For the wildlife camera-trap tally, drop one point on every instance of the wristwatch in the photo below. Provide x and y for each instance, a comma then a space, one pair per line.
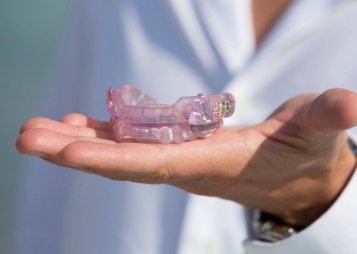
269, 228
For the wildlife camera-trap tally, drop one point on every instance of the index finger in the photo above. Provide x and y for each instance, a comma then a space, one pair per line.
155, 163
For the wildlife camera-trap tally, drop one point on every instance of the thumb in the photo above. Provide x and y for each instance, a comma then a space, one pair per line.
333, 111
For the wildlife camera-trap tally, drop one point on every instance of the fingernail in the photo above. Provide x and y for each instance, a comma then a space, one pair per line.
39, 154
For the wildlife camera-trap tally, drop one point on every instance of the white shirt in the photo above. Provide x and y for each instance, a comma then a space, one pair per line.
176, 48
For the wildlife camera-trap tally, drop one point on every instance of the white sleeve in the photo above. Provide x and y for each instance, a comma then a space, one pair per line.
334, 232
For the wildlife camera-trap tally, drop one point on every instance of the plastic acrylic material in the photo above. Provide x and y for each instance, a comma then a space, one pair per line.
135, 114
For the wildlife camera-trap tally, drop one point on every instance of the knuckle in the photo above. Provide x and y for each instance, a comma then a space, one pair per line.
161, 176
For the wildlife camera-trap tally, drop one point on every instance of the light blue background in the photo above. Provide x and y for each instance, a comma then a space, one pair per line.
30, 32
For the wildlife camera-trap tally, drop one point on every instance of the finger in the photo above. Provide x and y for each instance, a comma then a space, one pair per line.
84, 121
38, 123
333, 111
155, 163
43, 143
49, 143
85, 152
132, 162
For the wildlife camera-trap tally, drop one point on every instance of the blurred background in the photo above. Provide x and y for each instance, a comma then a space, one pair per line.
30, 34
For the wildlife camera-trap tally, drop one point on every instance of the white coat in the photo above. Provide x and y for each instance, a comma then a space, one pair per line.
173, 48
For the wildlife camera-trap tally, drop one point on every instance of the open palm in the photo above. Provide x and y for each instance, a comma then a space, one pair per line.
300, 149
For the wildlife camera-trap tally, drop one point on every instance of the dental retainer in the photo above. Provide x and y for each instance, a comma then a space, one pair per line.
133, 113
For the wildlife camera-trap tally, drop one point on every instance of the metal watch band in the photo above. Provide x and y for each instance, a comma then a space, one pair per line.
271, 229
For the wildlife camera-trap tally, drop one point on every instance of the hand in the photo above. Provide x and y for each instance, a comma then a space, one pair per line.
293, 165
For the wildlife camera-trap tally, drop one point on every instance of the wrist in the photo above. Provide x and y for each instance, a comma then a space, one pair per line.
274, 228
317, 194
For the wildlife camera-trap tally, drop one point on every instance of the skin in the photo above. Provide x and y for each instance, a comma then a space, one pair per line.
265, 14
276, 166
293, 165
